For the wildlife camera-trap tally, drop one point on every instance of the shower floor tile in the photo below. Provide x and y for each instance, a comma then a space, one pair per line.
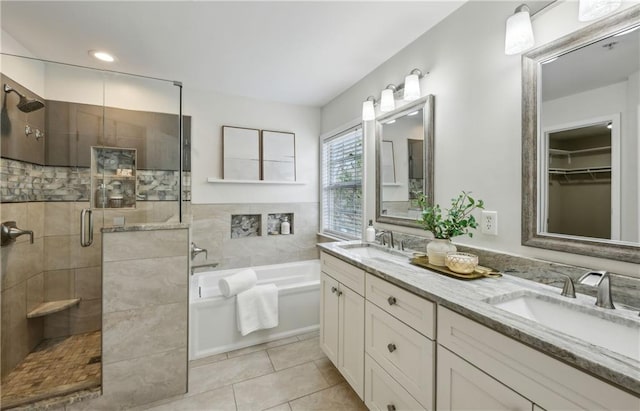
55, 367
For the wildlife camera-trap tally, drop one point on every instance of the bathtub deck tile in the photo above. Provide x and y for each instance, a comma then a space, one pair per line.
261, 347
218, 374
295, 354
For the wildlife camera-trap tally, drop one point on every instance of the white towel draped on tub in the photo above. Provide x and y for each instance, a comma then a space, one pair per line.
257, 308
237, 283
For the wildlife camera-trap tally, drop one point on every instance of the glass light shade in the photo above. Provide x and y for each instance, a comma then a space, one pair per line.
387, 102
519, 33
368, 112
592, 9
411, 87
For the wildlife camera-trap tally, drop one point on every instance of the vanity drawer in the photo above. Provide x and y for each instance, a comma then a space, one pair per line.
405, 306
382, 392
405, 354
345, 273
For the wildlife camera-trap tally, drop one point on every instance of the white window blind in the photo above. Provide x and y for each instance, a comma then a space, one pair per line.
342, 184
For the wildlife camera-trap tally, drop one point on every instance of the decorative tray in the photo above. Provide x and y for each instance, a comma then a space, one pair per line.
480, 271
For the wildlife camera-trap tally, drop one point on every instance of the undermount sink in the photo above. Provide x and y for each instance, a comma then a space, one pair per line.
376, 252
614, 332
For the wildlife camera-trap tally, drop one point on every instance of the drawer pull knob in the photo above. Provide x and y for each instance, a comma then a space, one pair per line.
391, 407
339, 293
334, 289
392, 300
391, 347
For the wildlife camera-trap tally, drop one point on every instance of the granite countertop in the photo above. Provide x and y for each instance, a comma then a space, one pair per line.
144, 227
469, 298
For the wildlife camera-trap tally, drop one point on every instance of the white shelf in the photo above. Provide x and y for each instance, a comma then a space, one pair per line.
559, 152
567, 171
259, 182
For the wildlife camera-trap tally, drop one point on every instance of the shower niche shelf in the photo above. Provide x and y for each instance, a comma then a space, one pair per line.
113, 177
51, 307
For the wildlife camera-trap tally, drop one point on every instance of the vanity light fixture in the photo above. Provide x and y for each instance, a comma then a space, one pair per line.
519, 33
102, 56
592, 9
387, 99
368, 110
412, 85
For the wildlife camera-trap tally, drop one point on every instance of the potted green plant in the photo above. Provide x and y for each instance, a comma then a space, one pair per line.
458, 220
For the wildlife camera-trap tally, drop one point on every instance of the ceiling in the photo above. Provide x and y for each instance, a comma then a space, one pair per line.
608, 61
294, 52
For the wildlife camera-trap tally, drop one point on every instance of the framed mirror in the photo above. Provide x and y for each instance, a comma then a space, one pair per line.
404, 165
241, 158
580, 141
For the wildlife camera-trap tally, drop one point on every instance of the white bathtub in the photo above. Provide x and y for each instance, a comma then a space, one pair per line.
212, 317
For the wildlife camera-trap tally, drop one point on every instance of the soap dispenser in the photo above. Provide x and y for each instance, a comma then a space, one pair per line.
285, 226
371, 232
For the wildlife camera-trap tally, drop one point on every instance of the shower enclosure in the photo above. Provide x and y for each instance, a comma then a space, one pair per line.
81, 149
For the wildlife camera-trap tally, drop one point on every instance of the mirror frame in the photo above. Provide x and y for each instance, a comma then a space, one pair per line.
427, 104
531, 63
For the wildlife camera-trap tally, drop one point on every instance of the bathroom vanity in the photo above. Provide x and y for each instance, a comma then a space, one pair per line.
408, 338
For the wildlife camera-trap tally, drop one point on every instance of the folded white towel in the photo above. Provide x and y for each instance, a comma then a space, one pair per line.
257, 308
237, 283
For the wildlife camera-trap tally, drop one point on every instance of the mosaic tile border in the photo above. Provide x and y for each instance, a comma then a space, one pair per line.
24, 182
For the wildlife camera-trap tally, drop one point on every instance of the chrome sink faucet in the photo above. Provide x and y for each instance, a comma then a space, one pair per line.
568, 290
602, 280
381, 234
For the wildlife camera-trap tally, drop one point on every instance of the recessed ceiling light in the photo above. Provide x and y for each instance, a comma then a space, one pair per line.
414, 113
102, 55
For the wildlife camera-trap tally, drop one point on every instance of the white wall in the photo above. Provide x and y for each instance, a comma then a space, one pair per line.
211, 111
477, 92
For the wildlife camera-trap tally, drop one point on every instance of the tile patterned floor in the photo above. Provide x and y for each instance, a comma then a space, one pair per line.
291, 374
54, 368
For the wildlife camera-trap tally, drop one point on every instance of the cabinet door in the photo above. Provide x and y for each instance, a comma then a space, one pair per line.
329, 317
351, 339
461, 386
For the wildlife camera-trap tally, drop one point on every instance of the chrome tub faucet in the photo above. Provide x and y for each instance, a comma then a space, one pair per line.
195, 250
9, 232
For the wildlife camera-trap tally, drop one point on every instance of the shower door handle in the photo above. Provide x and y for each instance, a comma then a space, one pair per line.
83, 229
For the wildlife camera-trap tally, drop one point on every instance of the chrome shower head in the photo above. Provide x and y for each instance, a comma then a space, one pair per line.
25, 104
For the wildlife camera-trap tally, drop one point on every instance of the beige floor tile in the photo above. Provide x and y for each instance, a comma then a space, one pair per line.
294, 354
259, 347
308, 336
227, 372
221, 399
208, 360
339, 397
277, 388
281, 407
329, 371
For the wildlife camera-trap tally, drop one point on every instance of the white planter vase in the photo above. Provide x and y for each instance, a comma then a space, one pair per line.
437, 250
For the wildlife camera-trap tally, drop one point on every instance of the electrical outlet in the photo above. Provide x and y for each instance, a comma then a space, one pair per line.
489, 222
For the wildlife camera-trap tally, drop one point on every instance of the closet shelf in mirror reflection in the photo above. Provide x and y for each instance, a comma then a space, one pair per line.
573, 175
557, 151
259, 182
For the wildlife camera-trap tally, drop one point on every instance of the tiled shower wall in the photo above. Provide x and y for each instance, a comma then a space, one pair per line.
211, 229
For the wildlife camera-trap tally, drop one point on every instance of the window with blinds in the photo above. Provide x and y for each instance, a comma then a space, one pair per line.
342, 163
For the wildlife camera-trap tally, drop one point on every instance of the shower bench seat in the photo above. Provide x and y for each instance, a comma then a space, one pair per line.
51, 307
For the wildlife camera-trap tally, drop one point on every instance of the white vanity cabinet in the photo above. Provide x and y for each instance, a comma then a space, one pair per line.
399, 346
474, 358
342, 319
